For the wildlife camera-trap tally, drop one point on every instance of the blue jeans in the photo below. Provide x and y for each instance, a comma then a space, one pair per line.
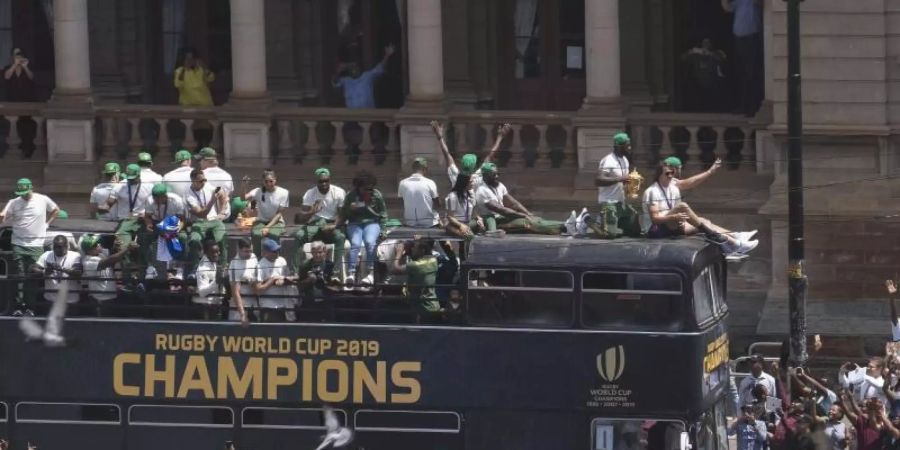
360, 234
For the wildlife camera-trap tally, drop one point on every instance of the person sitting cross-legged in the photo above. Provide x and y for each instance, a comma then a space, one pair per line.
318, 215
500, 210
667, 215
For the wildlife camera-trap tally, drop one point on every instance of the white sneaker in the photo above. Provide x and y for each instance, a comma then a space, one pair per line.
581, 223
54, 340
349, 281
745, 235
571, 228
746, 246
368, 280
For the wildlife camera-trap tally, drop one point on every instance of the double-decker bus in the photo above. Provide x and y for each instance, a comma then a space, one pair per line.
559, 343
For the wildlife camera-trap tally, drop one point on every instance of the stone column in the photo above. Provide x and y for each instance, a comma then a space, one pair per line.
246, 118
425, 101
71, 48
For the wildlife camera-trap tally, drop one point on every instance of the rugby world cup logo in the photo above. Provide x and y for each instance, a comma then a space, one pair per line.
611, 363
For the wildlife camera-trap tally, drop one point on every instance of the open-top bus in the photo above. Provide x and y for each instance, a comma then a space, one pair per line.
560, 343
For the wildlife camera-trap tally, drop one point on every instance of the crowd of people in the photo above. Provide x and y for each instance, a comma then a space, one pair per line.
172, 226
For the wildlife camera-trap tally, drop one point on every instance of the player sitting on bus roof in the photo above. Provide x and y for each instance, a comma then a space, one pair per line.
208, 295
56, 265
207, 207
461, 218
276, 289
101, 193
501, 210
130, 201
315, 277
365, 214
98, 270
469, 162
421, 269
317, 218
271, 202
666, 215
162, 205
421, 202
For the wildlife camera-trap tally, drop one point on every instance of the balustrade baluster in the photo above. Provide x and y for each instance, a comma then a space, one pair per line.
285, 144
13, 150
488, 141
694, 152
748, 151
721, 149
516, 151
365, 146
311, 147
109, 137
216, 139
665, 147
40, 140
339, 146
189, 143
570, 152
163, 144
542, 156
135, 144
391, 147
460, 146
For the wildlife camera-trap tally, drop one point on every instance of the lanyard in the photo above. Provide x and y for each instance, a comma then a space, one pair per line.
621, 166
165, 211
62, 265
665, 194
202, 201
468, 206
132, 200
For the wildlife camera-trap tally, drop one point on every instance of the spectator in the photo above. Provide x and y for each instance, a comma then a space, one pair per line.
131, 199
805, 438
617, 216
365, 213
207, 208
55, 265
469, 161
217, 176
751, 432
823, 396
705, 76
20, 87
192, 81
317, 217
358, 87
271, 202
461, 217
103, 191
274, 286
491, 200
421, 274
316, 274
747, 31
666, 215
242, 273
30, 214
864, 382
757, 376
98, 270
873, 429
835, 429
179, 178
209, 289
145, 161
421, 202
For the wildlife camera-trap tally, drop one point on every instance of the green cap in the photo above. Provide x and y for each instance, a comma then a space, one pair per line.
89, 241
672, 161
182, 155
468, 163
111, 167
420, 162
206, 153
322, 171
621, 139
23, 187
132, 171
488, 167
159, 189
144, 157
62, 214
238, 204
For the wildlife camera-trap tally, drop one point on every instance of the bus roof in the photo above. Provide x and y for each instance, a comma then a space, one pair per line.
562, 252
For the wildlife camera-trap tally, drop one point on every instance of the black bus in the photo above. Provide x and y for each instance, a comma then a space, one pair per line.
561, 343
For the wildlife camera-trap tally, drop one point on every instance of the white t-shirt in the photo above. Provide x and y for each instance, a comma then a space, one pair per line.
418, 193
100, 196
131, 200
664, 199
195, 199
331, 201
273, 201
104, 289
612, 166
174, 207
218, 177
29, 219
453, 172
267, 269
486, 194
243, 271
207, 287
179, 180
53, 281
745, 391
150, 177
461, 211
836, 432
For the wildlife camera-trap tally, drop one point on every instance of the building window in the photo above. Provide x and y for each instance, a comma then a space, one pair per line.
173, 14
6, 30
526, 32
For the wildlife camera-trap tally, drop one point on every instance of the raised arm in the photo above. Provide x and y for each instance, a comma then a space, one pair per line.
502, 131
439, 130
892, 291
113, 259
397, 267
850, 407
692, 182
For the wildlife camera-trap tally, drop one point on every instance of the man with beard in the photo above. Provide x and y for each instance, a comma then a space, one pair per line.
500, 210
617, 217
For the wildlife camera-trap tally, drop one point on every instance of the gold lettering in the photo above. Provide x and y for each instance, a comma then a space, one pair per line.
212, 342
284, 345
276, 379
232, 344
343, 374
153, 376
119, 386
307, 380
260, 346
376, 386
196, 377
412, 384
325, 346
247, 344
160, 342
299, 346
252, 375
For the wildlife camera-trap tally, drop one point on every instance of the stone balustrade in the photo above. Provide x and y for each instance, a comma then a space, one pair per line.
696, 138
22, 132
124, 130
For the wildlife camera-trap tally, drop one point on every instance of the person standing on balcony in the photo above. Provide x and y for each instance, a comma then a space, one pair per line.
192, 81
101, 193
216, 176
130, 200
20, 87
500, 210
359, 86
317, 217
748, 45
421, 202
145, 161
469, 161
617, 216
30, 214
207, 208
365, 214
179, 178
271, 202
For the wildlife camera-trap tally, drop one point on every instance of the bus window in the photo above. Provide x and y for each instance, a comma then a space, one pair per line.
3, 413
649, 301
703, 301
181, 416
287, 418
718, 288
70, 413
520, 298
615, 434
407, 421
